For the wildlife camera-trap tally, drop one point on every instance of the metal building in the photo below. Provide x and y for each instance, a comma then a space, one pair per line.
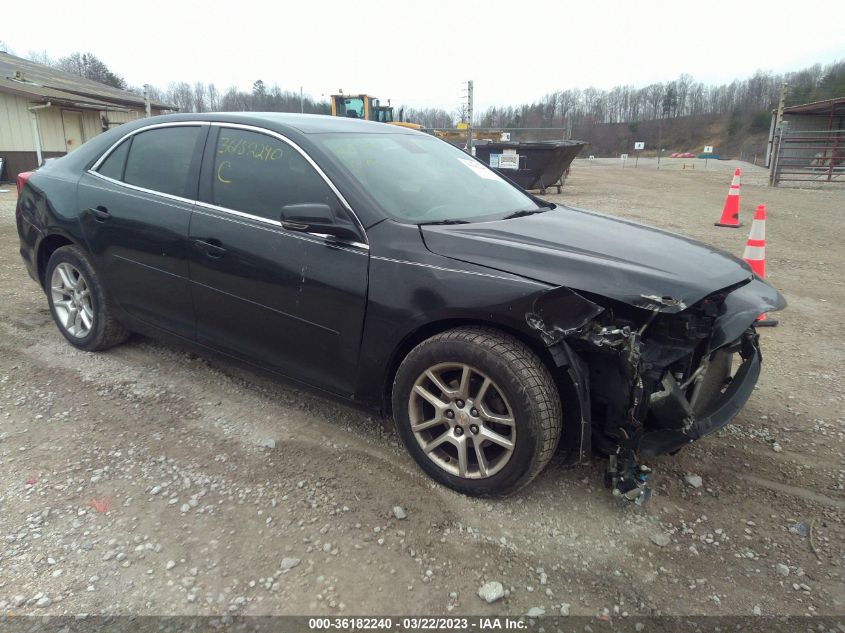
808, 143
45, 113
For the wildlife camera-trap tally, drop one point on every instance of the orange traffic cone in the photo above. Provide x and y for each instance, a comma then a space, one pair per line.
730, 213
755, 254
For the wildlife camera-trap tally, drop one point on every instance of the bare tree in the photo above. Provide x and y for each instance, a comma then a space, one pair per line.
682, 89
213, 98
181, 95
39, 57
655, 99
200, 98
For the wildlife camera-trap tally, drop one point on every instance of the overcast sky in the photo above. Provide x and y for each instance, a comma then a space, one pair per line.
420, 53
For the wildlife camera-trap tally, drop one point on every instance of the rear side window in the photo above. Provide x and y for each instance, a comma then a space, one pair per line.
160, 160
259, 174
112, 167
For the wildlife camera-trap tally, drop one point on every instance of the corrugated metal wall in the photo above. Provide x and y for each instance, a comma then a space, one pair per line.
16, 127
91, 124
53, 132
116, 118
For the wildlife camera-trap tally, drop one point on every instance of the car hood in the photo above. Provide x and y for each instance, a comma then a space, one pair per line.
583, 250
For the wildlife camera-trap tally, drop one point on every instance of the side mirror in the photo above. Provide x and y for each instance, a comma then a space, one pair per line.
311, 217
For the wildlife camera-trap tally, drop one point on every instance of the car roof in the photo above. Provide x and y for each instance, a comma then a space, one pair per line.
285, 121
292, 125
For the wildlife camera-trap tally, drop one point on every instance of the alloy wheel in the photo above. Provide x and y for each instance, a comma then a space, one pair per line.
72, 300
462, 420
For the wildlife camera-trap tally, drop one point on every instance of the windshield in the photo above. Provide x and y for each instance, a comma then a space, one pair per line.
420, 179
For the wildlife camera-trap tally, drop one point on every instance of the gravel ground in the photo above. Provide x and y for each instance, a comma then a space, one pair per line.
150, 480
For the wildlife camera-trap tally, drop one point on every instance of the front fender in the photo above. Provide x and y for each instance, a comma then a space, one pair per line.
741, 309
407, 296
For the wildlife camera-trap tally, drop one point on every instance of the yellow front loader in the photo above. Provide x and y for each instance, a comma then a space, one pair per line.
365, 107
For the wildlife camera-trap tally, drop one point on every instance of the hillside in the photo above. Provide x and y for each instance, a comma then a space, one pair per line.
684, 114
731, 136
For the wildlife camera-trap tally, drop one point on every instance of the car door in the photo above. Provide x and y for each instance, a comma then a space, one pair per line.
135, 212
288, 301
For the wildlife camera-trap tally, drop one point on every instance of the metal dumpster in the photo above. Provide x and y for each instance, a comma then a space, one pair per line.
530, 164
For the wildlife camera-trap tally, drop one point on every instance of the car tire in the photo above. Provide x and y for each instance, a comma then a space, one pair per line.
78, 302
520, 405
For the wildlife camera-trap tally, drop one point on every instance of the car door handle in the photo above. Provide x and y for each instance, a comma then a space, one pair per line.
212, 248
101, 214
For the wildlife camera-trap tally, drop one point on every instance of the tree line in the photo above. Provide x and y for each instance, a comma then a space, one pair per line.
749, 99
85, 65
681, 97
187, 97
202, 97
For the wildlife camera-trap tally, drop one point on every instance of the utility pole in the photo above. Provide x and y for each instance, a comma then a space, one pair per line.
778, 138
469, 116
147, 100
659, 139
782, 102
301, 102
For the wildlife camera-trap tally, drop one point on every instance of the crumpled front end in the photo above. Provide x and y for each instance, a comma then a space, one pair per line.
655, 376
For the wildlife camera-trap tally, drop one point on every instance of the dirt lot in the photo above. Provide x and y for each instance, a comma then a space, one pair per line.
149, 480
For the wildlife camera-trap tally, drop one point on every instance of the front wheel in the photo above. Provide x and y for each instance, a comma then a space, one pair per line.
478, 410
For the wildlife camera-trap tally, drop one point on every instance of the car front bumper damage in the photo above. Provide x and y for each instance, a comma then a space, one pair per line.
650, 385
702, 417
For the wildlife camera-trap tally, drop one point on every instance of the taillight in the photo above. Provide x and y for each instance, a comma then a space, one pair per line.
21, 180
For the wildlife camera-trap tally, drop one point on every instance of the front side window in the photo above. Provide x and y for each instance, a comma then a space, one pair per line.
420, 179
259, 174
160, 160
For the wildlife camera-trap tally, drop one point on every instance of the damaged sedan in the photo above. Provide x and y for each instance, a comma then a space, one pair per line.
389, 269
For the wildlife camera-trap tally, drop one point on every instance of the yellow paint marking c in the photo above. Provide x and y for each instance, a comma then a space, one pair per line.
220, 167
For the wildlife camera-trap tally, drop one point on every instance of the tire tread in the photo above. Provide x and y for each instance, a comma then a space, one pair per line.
534, 376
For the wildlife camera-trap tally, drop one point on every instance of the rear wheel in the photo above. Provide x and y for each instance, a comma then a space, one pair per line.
478, 410
78, 303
